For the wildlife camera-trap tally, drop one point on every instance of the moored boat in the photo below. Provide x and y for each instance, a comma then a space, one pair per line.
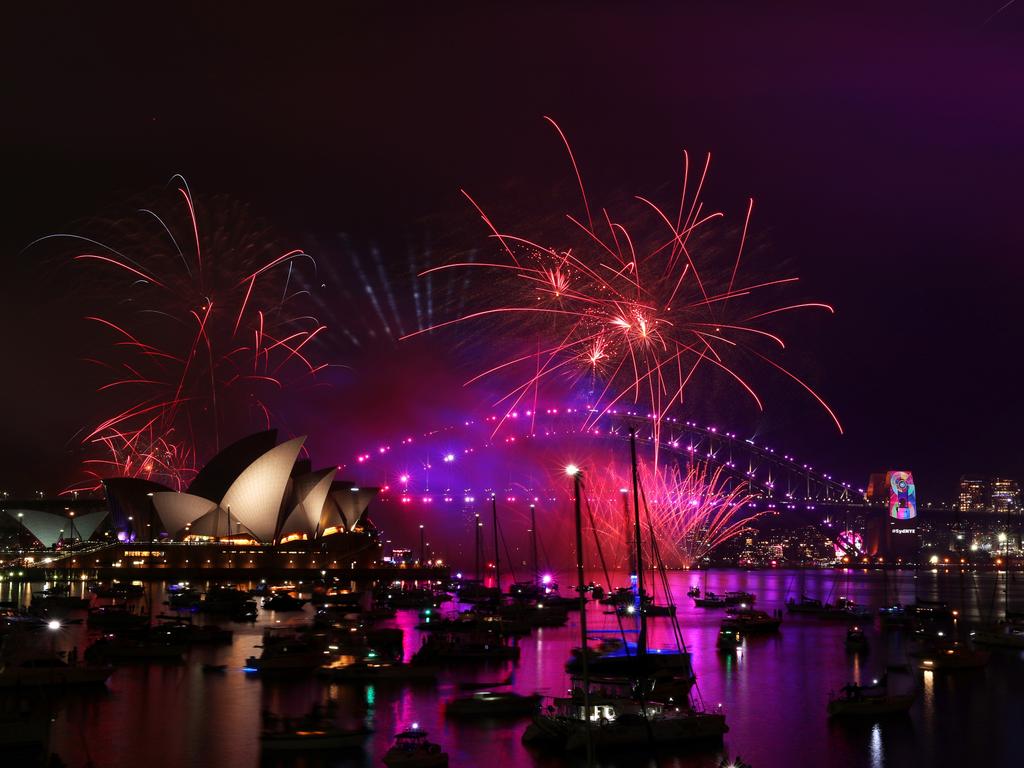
856, 641
310, 733
729, 639
804, 605
618, 722
870, 704
45, 670
377, 670
739, 597
412, 750
282, 601
493, 704
952, 657
709, 600
999, 636
750, 621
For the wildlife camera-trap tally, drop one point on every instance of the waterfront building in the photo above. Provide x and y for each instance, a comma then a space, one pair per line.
1005, 494
974, 493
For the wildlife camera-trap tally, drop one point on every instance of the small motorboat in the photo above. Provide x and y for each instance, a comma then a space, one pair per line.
952, 657
856, 641
750, 621
493, 704
412, 750
729, 639
478, 686
869, 701
740, 597
282, 601
377, 671
310, 733
710, 600
804, 605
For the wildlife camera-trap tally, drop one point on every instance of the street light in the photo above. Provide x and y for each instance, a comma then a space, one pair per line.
422, 543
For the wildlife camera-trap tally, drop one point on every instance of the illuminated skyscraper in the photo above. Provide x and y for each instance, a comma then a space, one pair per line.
1005, 494
974, 492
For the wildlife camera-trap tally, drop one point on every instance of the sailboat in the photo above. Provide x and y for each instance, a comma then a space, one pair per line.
626, 696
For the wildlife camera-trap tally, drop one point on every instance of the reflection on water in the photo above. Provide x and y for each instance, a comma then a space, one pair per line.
773, 689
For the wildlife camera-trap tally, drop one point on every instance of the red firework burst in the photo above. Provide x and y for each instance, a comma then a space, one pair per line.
640, 310
204, 326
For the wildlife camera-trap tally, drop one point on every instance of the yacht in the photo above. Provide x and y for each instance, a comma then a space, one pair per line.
620, 722
1000, 636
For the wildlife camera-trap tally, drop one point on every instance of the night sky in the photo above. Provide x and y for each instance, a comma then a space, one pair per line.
884, 149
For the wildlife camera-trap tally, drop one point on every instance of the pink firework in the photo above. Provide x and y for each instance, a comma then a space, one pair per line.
203, 323
691, 511
639, 310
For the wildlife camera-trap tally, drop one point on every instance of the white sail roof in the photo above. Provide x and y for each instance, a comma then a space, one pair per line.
353, 503
310, 493
176, 510
255, 496
45, 526
86, 525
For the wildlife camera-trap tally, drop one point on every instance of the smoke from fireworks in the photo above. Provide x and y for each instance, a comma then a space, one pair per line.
638, 311
203, 321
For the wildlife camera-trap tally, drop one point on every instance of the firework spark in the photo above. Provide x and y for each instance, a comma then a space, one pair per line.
637, 310
203, 323
690, 511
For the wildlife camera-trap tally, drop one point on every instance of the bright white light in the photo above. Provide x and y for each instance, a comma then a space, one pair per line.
572, 470
54, 624
415, 726
449, 457
545, 579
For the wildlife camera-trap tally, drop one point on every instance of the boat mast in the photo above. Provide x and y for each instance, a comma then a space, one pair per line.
533, 543
497, 556
630, 550
641, 644
477, 548
581, 589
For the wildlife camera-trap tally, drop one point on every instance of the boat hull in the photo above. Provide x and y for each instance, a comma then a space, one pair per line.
309, 742
871, 707
54, 676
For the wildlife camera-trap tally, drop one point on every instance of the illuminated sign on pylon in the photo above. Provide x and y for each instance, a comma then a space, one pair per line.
902, 495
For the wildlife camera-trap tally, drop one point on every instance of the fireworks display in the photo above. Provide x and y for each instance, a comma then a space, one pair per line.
636, 311
203, 323
688, 509
695, 499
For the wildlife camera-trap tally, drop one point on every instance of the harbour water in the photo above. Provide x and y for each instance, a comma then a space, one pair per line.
773, 690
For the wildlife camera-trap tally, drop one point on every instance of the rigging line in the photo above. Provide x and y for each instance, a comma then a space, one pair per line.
604, 568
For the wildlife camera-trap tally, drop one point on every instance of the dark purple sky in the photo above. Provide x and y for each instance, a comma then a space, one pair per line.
884, 148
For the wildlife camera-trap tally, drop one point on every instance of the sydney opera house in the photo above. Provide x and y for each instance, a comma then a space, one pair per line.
255, 505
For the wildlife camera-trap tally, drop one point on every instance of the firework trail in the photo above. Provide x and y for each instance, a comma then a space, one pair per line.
691, 511
638, 311
203, 323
